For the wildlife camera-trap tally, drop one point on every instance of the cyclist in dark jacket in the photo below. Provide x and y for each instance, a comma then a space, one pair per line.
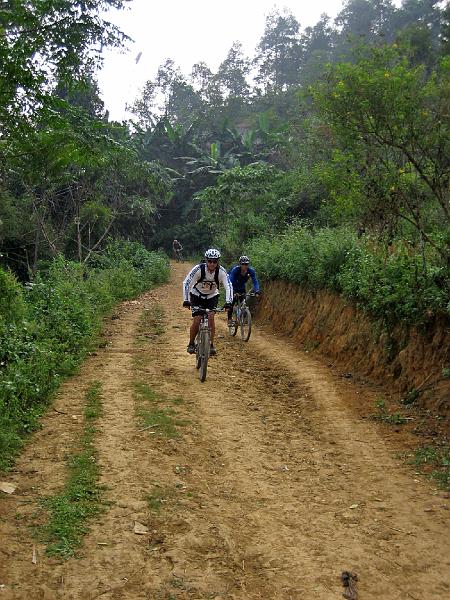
239, 275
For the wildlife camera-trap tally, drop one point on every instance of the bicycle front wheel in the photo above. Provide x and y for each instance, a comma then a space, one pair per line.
205, 345
246, 324
232, 329
197, 352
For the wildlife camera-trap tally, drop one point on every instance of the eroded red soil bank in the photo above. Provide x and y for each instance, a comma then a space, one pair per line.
404, 358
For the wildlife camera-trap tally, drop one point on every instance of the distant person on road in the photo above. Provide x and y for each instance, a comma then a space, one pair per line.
201, 290
177, 248
239, 275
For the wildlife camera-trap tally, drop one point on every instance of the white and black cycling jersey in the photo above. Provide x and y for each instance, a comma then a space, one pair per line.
201, 282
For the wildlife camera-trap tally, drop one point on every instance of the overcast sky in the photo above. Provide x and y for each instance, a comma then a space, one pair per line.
188, 32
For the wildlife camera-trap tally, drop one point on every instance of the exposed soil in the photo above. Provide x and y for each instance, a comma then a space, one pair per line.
274, 487
408, 359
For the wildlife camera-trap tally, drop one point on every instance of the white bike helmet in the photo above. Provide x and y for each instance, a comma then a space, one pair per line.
244, 260
212, 253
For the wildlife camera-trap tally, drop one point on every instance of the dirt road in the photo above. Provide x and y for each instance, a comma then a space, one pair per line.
266, 485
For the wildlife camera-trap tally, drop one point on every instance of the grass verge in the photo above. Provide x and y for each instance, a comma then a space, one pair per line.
153, 413
69, 511
151, 323
387, 417
156, 498
435, 463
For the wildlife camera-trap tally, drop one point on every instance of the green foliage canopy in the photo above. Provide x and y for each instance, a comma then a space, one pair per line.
393, 121
42, 42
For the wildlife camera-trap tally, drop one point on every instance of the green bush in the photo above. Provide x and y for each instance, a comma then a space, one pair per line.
304, 256
62, 308
149, 268
12, 305
393, 284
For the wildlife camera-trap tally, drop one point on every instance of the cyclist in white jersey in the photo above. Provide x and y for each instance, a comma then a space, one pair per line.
201, 290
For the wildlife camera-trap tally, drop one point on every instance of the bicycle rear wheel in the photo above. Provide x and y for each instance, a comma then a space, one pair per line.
246, 324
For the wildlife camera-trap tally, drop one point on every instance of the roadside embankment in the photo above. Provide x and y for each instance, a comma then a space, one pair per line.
412, 362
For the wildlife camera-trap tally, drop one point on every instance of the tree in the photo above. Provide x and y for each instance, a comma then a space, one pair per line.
145, 106
180, 102
398, 131
82, 92
240, 205
422, 13
44, 42
232, 73
370, 19
445, 30
318, 44
206, 84
320, 38
81, 181
279, 53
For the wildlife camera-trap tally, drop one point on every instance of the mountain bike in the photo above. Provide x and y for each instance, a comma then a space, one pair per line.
203, 341
241, 317
178, 255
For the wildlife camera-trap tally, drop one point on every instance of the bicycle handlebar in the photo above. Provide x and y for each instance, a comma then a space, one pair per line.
207, 310
247, 295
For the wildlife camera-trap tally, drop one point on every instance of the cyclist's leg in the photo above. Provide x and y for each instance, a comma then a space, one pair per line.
239, 298
236, 296
230, 310
196, 301
194, 328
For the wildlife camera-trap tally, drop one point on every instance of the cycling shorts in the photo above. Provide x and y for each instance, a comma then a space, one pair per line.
203, 302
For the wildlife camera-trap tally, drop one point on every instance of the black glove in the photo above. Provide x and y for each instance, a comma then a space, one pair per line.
227, 305
186, 304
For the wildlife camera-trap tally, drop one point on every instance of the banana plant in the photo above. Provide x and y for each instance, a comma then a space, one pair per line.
214, 162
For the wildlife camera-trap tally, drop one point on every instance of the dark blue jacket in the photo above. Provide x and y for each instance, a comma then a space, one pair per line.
238, 280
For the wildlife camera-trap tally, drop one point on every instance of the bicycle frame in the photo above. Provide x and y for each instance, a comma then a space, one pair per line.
203, 340
241, 304
178, 254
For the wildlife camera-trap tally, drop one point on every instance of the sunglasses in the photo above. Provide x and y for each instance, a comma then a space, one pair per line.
212, 260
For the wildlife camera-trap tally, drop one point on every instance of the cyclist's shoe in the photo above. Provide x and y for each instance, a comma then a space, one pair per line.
191, 348
212, 351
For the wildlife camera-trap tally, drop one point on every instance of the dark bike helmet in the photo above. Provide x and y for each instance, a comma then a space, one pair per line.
212, 253
244, 260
